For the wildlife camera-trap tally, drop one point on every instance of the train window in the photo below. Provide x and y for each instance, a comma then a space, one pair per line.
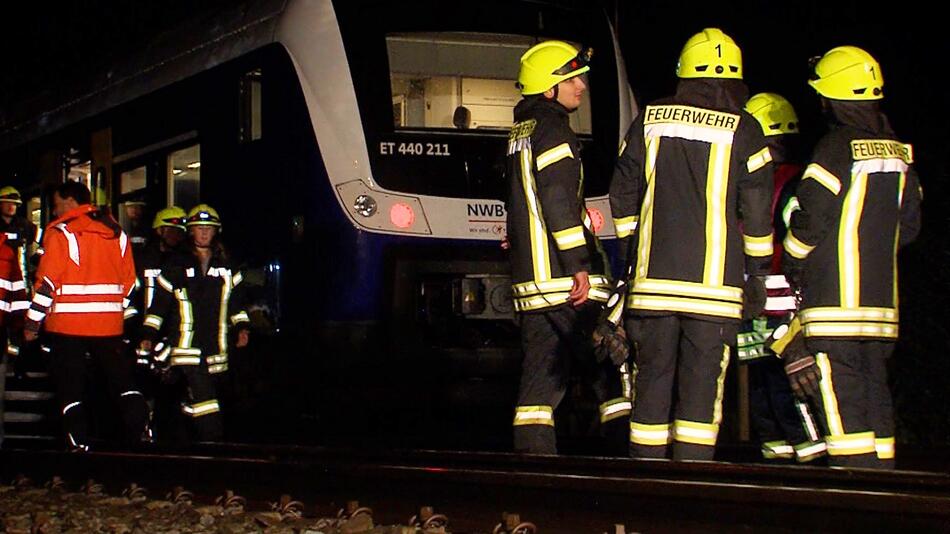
459, 80
184, 176
250, 102
132, 180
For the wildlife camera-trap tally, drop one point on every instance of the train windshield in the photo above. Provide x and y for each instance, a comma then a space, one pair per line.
439, 123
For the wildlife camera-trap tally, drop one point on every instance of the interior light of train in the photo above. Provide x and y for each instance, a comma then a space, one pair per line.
176, 172
402, 215
365, 205
194, 165
596, 219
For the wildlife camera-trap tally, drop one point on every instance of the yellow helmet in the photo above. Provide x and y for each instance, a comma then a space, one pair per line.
172, 216
547, 64
710, 54
775, 114
10, 194
203, 215
848, 73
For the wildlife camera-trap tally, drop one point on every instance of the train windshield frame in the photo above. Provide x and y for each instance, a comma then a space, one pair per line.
422, 147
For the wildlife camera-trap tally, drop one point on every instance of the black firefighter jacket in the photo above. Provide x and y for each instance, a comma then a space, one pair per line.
692, 191
860, 201
548, 227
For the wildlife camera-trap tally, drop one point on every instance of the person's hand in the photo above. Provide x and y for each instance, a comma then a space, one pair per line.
30, 335
580, 289
803, 373
243, 336
145, 345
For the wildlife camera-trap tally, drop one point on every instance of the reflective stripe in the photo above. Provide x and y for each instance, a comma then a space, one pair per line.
790, 207
870, 166
132, 392
153, 321
71, 242
166, 285
42, 300
849, 250
537, 230
152, 273
219, 368
570, 238
185, 351
237, 279
124, 242
16, 305
186, 360
129, 312
687, 289
796, 248
554, 155
851, 444
805, 452
625, 226
717, 181
91, 289
720, 386
12, 286
884, 448
240, 317
70, 406
786, 303
87, 307
851, 330
643, 434
614, 409
201, 408
777, 449
35, 315
823, 177
556, 284
217, 358
646, 209
223, 311
758, 160
534, 415
684, 131
828, 399
757, 246
864, 313
695, 433
685, 305
776, 281
623, 146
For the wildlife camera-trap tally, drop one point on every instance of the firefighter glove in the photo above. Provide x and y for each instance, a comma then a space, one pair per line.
801, 369
610, 341
753, 296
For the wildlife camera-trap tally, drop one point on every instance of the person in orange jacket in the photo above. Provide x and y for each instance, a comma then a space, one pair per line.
81, 291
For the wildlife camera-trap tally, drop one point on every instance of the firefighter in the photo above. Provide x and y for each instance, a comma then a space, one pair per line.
199, 301
81, 290
689, 165
556, 261
859, 203
169, 234
16, 234
773, 412
136, 225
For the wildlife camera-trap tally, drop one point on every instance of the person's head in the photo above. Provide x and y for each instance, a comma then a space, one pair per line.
555, 70
778, 120
10, 200
169, 225
203, 225
847, 73
710, 54
134, 210
69, 196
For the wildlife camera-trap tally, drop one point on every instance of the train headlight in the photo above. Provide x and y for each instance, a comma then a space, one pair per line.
365, 205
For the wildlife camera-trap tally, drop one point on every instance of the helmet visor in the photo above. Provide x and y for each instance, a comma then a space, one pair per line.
578, 62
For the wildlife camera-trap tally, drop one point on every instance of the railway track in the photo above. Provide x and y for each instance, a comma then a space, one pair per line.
570, 495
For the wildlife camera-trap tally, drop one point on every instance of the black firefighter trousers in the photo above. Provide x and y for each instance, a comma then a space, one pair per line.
554, 342
856, 402
693, 354
68, 365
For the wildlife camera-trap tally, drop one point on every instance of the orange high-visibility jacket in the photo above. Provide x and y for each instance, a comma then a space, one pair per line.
84, 277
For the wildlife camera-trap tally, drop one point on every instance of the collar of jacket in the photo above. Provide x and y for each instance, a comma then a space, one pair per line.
866, 116
720, 94
77, 221
533, 104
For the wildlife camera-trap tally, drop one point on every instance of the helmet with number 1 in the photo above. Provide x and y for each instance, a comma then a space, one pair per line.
848, 73
170, 217
775, 114
710, 54
547, 64
203, 215
11, 195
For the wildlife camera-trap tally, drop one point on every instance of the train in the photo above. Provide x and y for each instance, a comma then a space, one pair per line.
356, 153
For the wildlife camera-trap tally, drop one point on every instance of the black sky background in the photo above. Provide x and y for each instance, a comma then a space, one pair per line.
45, 43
